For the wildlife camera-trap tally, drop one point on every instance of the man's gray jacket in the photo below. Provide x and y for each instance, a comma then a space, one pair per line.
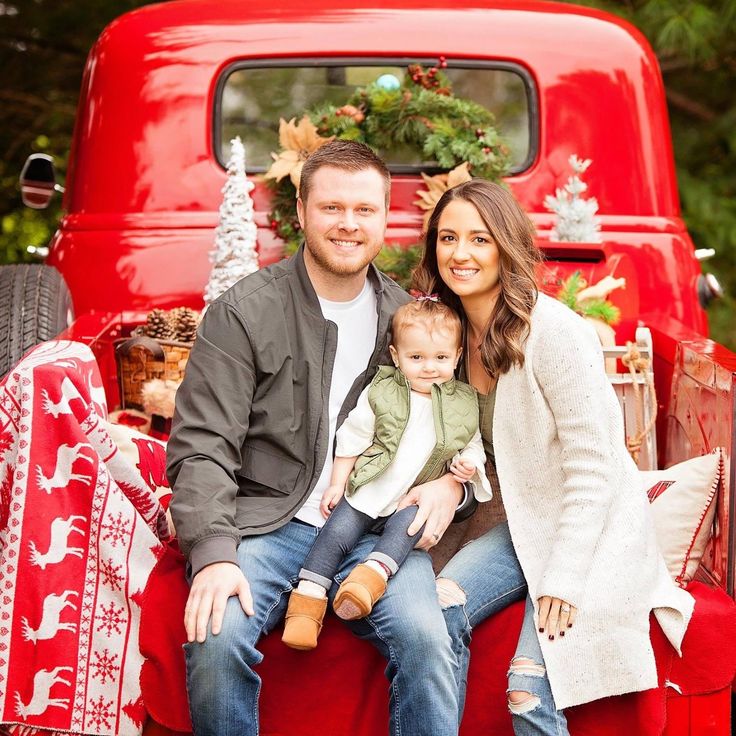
249, 436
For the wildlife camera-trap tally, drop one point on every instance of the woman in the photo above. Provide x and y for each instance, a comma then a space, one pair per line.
579, 538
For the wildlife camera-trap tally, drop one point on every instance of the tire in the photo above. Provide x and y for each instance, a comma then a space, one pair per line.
35, 305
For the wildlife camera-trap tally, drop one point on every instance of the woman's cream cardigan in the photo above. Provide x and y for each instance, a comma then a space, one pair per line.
578, 514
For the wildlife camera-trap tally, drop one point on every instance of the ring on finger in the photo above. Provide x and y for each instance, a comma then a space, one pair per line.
436, 537
565, 608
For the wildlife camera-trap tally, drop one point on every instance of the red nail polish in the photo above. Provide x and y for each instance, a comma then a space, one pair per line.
541, 631
562, 633
551, 637
569, 626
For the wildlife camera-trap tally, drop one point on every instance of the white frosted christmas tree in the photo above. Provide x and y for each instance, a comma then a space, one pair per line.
576, 221
234, 255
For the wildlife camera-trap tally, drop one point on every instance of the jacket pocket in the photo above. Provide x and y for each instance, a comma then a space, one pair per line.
267, 473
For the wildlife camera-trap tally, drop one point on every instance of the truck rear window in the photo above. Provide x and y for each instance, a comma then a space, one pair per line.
253, 97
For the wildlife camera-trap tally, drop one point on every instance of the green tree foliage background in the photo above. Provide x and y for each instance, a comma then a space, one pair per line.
43, 45
696, 46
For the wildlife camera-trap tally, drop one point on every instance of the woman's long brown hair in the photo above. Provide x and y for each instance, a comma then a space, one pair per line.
502, 341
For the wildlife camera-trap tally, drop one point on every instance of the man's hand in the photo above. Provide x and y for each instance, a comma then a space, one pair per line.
437, 501
462, 469
330, 498
211, 588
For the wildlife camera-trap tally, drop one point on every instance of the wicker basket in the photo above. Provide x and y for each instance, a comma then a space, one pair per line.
141, 358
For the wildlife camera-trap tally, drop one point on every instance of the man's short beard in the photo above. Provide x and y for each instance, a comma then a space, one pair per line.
330, 266
334, 266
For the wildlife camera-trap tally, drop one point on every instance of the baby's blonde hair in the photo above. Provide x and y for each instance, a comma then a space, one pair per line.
434, 315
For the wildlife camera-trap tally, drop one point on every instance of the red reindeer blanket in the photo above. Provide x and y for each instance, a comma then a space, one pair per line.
80, 532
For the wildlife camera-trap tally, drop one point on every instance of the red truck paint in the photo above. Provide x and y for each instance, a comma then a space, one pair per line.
143, 187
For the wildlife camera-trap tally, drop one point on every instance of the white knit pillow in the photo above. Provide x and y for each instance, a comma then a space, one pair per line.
682, 499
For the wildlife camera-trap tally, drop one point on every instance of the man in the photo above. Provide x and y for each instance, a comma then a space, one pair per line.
279, 361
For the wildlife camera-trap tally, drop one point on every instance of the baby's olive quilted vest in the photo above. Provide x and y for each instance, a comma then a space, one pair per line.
455, 412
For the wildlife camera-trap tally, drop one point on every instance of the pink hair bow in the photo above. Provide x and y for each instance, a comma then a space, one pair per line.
420, 296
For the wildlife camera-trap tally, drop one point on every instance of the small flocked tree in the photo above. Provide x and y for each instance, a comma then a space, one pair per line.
576, 221
234, 255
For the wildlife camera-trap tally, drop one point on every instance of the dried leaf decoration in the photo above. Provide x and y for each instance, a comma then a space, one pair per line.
437, 186
298, 141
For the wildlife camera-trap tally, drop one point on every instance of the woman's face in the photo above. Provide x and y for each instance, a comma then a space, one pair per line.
467, 256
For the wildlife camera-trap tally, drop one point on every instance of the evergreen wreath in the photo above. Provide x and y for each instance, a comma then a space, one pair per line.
422, 113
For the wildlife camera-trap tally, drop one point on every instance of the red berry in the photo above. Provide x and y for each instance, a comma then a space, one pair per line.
486, 149
274, 224
479, 132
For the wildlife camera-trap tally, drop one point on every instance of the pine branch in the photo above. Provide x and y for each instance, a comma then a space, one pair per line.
683, 102
602, 310
398, 262
568, 293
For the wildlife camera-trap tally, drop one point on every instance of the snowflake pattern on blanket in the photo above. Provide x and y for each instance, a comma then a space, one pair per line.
80, 532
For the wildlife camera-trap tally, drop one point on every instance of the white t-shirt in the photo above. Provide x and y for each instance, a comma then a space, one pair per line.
357, 325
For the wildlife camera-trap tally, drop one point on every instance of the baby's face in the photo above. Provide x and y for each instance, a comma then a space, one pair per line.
425, 357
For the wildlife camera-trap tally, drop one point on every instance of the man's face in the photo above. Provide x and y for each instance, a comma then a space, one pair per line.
343, 219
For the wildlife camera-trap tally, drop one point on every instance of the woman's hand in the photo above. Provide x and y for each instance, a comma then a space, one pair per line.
555, 616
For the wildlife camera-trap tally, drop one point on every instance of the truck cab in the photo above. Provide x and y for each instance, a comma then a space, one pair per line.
167, 87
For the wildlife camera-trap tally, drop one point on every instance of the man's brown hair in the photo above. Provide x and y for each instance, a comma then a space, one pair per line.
349, 156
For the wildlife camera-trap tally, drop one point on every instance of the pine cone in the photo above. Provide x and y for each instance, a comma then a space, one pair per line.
184, 322
158, 325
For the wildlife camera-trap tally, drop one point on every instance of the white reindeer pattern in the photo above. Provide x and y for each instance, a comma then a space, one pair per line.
66, 456
69, 392
96, 393
59, 544
41, 700
50, 624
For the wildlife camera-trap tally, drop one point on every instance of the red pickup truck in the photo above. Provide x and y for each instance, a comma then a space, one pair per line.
166, 87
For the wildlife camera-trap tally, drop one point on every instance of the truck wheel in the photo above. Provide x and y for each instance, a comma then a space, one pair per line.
35, 305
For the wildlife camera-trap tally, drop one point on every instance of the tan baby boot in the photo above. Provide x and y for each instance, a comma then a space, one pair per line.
358, 594
303, 621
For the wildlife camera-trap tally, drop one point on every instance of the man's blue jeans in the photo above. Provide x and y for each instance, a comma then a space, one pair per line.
406, 626
488, 573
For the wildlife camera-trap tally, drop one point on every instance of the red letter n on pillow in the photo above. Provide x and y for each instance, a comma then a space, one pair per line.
658, 489
151, 462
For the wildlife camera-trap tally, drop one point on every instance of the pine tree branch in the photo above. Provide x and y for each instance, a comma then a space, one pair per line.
683, 102
37, 101
44, 45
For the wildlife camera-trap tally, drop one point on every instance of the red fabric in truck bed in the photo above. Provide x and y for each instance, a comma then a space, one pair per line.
340, 689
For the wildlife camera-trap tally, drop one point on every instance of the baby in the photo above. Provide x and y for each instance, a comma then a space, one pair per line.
412, 423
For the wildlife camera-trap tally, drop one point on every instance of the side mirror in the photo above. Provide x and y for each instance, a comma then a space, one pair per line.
38, 181
709, 289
